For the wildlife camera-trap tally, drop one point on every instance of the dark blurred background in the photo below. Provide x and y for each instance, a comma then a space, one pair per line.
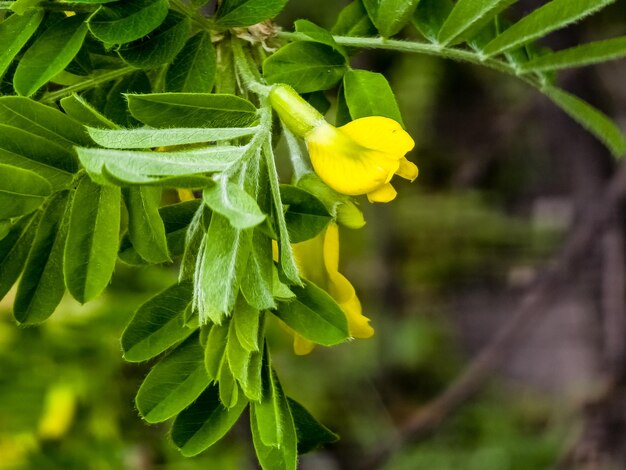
504, 178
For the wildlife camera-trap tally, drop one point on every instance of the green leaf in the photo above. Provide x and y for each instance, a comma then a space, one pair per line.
234, 203
247, 12
125, 162
29, 151
158, 324
246, 321
193, 69
42, 287
390, 16
306, 215
268, 411
256, 285
14, 248
15, 31
174, 383
79, 109
21, 191
122, 22
430, 15
192, 110
306, 66
315, 33
591, 119
470, 15
215, 350
145, 226
314, 315
115, 105
550, 17
281, 455
585, 54
146, 137
369, 94
93, 239
161, 46
311, 434
353, 20
221, 267
49, 55
204, 423
42, 120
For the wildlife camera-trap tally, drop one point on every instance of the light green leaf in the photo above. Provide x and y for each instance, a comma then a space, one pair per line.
204, 423
174, 383
390, 16
49, 55
314, 315
123, 21
579, 56
193, 69
550, 17
192, 110
42, 120
161, 46
142, 138
158, 324
269, 413
145, 226
228, 388
353, 20
369, 94
247, 12
215, 350
256, 286
306, 215
470, 14
306, 66
315, 33
20, 7
591, 119
246, 321
15, 31
185, 162
238, 356
311, 434
79, 109
234, 203
14, 249
220, 269
93, 239
21, 191
42, 287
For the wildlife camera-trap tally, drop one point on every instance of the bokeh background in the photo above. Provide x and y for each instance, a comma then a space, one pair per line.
504, 176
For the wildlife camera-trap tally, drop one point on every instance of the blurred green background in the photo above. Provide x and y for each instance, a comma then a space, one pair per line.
502, 174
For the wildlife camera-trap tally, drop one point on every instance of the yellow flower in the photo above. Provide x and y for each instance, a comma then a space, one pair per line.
358, 158
362, 156
318, 260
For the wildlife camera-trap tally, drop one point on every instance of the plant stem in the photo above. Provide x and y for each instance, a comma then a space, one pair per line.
105, 77
250, 76
58, 6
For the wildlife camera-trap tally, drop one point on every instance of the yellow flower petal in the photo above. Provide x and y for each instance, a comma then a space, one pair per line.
302, 346
380, 133
385, 193
358, 324
408, 170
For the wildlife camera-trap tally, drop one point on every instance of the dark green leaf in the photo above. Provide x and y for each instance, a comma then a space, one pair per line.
246, 321
79, 109
369, 94
256, 286
238, 356
15, 31
204, 423
234, 203
115, 105
353, 20
314, 315
193, 69
306, 66
169, 110
50, 54
430, 15
123, 21
21, 191
247, 12
159, 47
316, 33
158, 324
311, 434
93, 239
550, 17
145, 226
174, 383
42, 287
14, 248
306, 215
390, 16
215, 350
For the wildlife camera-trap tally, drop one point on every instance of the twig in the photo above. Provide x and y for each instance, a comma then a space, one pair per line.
503, 343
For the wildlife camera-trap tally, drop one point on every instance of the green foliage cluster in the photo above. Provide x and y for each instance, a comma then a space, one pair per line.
121, 104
